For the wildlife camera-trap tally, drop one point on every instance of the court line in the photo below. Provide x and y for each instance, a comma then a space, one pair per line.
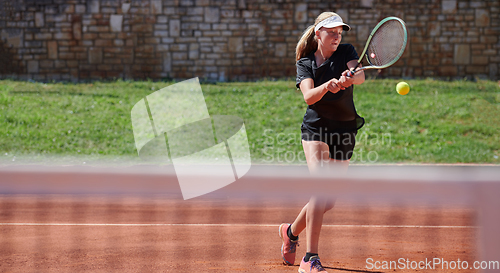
225, 225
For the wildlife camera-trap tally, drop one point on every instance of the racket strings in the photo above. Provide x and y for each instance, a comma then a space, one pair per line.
387, 43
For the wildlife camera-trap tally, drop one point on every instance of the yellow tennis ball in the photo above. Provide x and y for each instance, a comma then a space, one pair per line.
402, 88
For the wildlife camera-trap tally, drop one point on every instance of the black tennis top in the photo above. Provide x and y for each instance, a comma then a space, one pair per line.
336, 111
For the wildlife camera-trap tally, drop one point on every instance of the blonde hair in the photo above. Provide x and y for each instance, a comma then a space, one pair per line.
308, 42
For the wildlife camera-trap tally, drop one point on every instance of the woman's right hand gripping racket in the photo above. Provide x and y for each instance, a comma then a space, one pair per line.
385, 45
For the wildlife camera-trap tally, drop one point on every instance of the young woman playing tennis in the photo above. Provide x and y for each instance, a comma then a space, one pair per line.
329, 126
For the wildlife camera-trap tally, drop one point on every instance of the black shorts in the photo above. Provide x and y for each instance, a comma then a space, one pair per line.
341, 145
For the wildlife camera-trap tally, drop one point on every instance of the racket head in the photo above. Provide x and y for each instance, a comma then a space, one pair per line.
386, 43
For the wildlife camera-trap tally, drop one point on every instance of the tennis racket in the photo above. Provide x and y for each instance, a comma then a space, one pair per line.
385, 45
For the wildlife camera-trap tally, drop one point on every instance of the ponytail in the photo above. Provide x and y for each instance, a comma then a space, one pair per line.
306, 44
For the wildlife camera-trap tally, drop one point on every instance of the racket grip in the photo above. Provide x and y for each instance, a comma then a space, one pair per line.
350, 74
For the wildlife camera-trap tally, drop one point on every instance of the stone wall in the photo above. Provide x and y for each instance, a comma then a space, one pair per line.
223, 40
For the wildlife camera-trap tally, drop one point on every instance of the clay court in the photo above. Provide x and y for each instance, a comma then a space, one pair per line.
163, 233
57, 233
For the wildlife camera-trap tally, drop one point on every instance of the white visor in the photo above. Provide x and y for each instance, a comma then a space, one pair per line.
331, 22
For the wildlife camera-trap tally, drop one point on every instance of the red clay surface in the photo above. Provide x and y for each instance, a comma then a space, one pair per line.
218, 235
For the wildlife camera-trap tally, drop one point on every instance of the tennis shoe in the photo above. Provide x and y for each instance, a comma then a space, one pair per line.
288, 247
312, 266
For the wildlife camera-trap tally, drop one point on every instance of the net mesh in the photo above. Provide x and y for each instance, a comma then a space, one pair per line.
387, 43
119, 229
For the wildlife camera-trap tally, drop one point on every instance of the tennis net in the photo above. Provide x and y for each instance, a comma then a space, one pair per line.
134, 218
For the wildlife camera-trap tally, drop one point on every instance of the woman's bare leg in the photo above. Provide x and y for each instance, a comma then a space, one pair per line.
311, 215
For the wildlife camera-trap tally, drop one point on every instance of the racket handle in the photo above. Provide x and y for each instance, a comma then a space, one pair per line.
350, 73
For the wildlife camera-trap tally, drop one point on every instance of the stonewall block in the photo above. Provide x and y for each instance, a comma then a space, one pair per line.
482, 18
461, 54
156, 7
160, 33
107, 35
281, 50
104, 42
93, 6
115, 22
161, 21
52, 50
259, 29
194, 52
212, 15
33, 66
174, 28
43, 36
69, 9
143, 28
14, 37
186, 3
77, 30
202, 3
95, 56
125, 7
481, 60
63, 36
67, 55
449, 6
434, 29
152, 40
39, 19
448, 71
177, 56
242, 4
56, 18
235, 44
46, 64
80, 9
476, 69
301, 13
489, 39
366, 3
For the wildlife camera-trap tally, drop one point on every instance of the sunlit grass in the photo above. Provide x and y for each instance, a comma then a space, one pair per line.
437, 122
